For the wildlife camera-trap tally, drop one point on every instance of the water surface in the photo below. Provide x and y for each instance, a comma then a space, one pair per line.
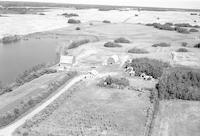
18, 57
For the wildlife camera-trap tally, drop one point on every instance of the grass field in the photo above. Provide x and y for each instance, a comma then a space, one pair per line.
92, 111
177, 118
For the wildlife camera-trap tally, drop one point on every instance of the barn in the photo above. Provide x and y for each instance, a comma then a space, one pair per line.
66, 62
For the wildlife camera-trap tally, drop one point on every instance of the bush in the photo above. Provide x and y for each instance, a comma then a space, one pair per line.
150, 67
112, 82
181, 30
121, 40
73, 21
106, 9
197, 45
162, 27
183, 25
78, 28
182, 50
10, 39
137, 51
179, 83
41, 14
70, 15
196, 26
184, 44
112, 44
194, 30
106, 21
193, 14
78, 43
161, 45
169, 23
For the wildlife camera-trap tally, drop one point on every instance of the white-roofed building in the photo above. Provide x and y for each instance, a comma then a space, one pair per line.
66, 62
114, 59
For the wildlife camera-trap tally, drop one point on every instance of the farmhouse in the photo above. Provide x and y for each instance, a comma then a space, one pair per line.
66, 62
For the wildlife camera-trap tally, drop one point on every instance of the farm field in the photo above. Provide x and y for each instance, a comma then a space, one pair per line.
177, 118
92, 111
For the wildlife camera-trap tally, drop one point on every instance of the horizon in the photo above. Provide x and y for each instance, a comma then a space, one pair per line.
185, 4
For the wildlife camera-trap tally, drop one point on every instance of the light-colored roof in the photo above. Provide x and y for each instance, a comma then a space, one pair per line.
66, 59
114, 57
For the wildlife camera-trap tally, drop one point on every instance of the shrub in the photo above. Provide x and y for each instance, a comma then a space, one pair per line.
78, 43
106, 21
196, 26
106, 9
179, 83
112, 44
181, 30
121, 40
41, 14
184, 44
194, 30
197, 45
70, 15
182, 50
137, 51
169, 23
113, 82
183, 25
161, 45
10, 39
193, 14
78, 28
150, 67
73, 21
163, 27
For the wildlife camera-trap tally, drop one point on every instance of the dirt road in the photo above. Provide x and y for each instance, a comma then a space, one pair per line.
7, 131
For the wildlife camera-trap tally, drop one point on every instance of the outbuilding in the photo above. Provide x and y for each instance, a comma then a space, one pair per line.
113, 60
66, 62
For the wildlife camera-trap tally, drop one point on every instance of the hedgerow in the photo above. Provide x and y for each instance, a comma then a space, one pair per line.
78, 43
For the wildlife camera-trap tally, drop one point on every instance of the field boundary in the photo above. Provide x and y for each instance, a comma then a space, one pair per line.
151, 115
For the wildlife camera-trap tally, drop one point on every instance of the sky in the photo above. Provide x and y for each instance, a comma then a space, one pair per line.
147, 3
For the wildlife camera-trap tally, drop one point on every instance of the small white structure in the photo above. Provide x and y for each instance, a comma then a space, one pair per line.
114, 59
66, 62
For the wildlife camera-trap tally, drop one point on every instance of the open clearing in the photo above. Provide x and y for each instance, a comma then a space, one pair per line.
177, 118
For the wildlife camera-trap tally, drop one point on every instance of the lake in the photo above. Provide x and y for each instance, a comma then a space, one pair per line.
18, 57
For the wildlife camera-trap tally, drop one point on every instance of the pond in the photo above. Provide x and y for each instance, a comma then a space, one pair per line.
17, 57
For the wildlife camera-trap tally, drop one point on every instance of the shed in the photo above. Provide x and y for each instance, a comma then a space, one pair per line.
66, 62
112, 60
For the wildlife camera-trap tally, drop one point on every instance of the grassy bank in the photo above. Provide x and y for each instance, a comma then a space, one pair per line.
29, 102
